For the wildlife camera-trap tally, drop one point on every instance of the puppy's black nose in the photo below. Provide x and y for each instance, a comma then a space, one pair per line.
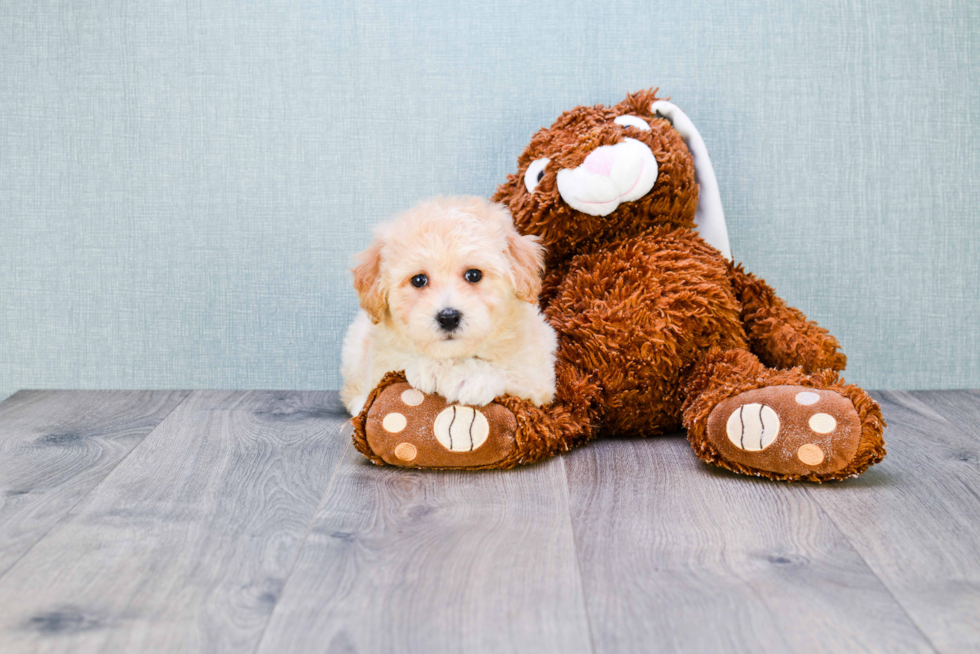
449, 319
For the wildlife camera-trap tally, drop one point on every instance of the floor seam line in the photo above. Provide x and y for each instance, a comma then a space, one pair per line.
309, 530
69, 512
578, 561
901, 606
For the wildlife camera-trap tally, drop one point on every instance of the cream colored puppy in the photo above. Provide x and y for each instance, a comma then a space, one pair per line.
449, 294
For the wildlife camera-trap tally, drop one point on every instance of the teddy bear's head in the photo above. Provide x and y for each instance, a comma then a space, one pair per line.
600, 173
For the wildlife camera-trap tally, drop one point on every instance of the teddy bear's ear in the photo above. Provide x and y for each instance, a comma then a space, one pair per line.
709, 218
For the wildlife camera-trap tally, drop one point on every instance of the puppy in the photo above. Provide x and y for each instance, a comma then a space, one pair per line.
449, 294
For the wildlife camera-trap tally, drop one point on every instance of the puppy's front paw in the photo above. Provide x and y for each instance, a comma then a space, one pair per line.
356, 405
422, 376
476, 389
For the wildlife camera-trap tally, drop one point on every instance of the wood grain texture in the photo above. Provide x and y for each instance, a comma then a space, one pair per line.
677, 556
407, 561
230, 526
915, 518
186, 545
55, 446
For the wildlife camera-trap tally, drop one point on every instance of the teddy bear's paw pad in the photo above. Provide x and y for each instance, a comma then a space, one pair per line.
790, 430
408, 428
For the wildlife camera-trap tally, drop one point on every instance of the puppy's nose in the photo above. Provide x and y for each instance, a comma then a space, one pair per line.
449, 319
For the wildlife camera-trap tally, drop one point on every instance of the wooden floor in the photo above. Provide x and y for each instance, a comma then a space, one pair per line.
245, 522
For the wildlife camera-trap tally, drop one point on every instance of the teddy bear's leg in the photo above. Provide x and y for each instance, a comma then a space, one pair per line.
782, 424
780, 335
404, 427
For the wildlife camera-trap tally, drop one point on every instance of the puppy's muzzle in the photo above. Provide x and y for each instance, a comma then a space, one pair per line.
449, 319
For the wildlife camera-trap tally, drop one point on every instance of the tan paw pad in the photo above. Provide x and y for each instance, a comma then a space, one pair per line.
461, 428
806, 398
412, 397
810, 454
752, 427
406, 451
822, 423
394, 422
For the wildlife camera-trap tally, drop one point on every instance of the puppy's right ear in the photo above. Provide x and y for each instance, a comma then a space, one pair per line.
367, 282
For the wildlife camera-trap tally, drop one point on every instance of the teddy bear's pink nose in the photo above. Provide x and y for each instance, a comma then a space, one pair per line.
600, 161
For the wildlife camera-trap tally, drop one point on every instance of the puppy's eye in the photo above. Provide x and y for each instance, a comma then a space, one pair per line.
633, 121
419, 281
473, 275
535, 173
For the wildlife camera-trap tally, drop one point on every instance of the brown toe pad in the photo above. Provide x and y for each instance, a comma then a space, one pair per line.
791, 430
408, 428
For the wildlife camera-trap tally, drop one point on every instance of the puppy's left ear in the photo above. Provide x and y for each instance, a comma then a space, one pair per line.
526, 257
524, 253
367, 281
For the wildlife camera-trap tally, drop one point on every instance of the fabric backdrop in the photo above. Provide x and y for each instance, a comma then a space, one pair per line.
182, 184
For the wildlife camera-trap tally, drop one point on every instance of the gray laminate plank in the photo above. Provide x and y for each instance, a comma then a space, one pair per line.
960, 408
408, 561
915, 517
56, 446
185, 546
677, 556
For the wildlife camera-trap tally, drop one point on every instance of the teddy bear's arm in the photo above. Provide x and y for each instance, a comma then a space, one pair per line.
780, 335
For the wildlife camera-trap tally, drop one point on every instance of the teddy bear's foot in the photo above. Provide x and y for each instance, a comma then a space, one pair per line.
405, 427
787, 430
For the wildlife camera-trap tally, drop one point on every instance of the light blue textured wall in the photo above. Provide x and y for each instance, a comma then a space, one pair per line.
182, 183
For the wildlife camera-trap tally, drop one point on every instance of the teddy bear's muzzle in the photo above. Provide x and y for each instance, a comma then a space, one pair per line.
609, 176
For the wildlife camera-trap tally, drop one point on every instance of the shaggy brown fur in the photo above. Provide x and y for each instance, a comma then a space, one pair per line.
655, 327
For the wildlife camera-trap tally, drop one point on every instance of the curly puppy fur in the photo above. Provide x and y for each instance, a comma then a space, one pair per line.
499, 343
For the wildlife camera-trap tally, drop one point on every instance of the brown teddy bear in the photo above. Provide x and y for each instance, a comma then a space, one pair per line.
657, 328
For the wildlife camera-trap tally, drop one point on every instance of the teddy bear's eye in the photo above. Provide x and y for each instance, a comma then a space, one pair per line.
535, 173
632, 121
419, 281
